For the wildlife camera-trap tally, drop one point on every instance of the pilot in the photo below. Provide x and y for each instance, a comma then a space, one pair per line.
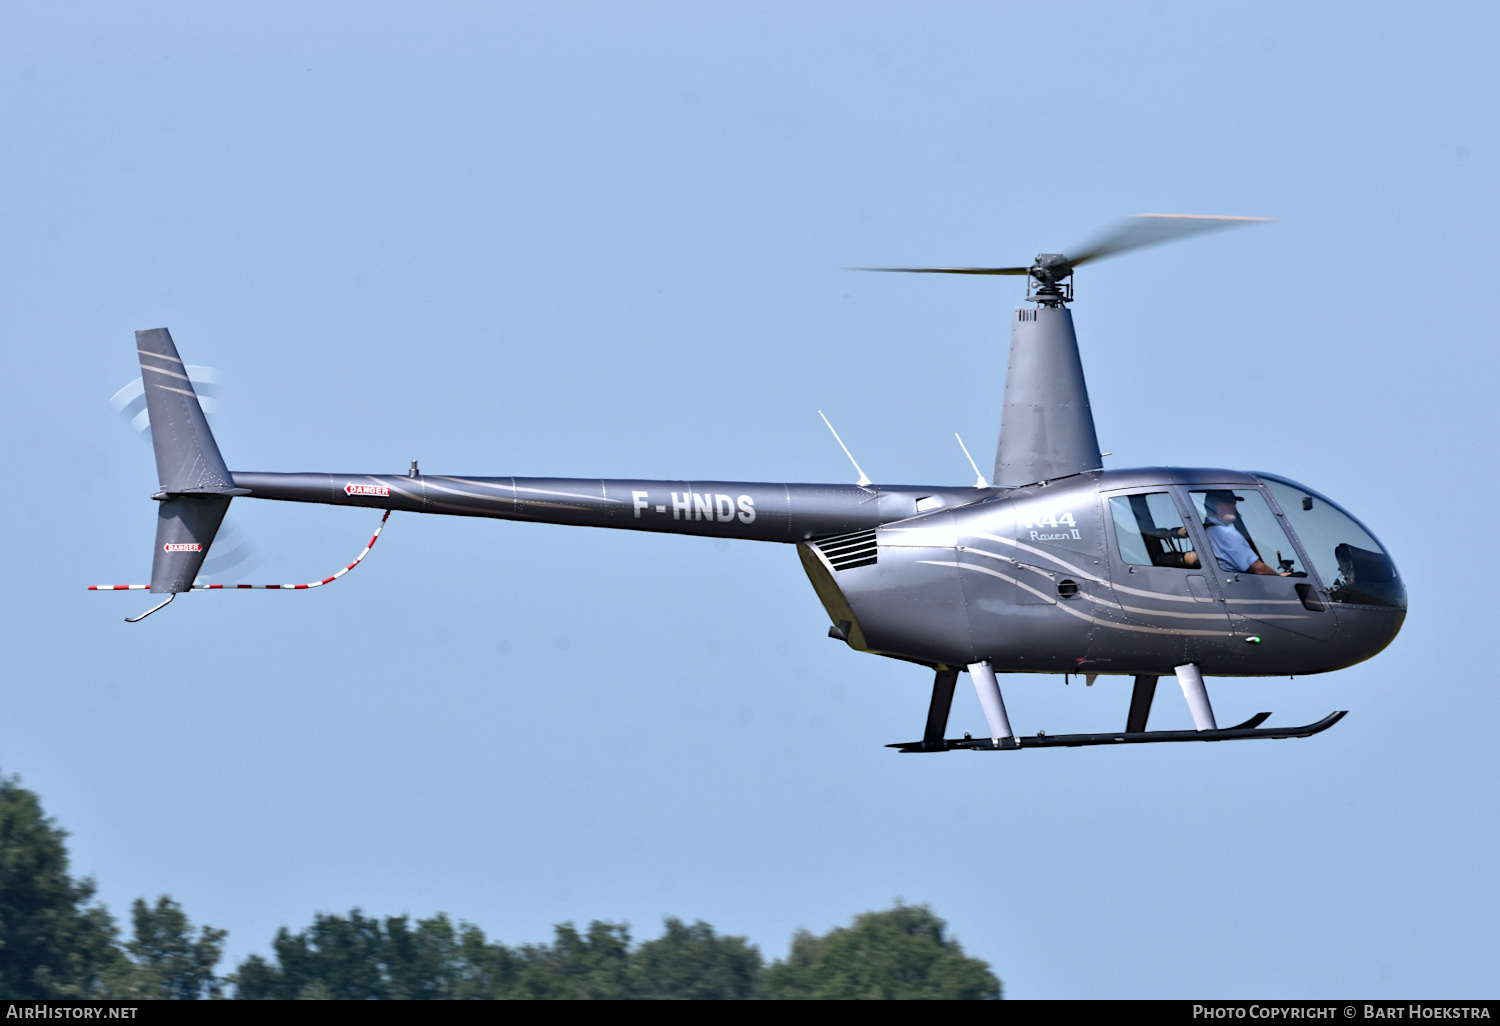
1230, 547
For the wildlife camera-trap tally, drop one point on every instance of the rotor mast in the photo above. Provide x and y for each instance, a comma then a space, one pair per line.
1046, 422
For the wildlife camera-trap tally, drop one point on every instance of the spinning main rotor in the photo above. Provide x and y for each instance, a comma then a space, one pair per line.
1050, 275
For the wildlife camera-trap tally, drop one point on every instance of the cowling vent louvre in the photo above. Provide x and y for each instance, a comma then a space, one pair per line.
848, 551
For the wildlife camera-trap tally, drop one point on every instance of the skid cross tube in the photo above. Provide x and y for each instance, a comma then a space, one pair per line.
1249, 729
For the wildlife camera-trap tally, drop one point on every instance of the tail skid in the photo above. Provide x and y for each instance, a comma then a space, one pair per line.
160, 605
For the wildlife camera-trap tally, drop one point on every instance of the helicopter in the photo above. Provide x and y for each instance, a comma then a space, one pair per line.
1055, 565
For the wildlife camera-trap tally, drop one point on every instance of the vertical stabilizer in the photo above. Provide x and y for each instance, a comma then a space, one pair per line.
185, 528
195, 484
1046, 424
187, 457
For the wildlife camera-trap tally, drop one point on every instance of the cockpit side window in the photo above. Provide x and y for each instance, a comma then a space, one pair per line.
1242, 529
1150, 532
1352, 564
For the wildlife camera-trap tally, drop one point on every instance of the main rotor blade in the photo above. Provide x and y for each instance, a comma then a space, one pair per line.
1153, 229
949, 270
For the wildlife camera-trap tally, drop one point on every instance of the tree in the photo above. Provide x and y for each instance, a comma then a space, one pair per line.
901, 953
334, 958
54, 941
356, 956
693, 962
588, 966
485, 970
167, 961
361, 958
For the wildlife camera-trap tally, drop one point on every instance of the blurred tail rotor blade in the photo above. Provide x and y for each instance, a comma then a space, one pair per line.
130, 401
231, 556
1153, 229
948, 270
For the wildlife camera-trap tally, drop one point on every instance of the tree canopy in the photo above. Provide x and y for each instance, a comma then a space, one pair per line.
356, 956
902, 954
56, 941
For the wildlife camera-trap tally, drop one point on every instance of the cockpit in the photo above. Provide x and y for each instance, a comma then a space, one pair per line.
1247, 537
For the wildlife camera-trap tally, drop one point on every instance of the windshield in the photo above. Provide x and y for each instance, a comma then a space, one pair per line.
1353, 566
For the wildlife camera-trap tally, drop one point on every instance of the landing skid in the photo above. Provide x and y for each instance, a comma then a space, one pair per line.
1249, 729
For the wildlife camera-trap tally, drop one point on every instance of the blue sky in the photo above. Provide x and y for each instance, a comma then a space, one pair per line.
607, 240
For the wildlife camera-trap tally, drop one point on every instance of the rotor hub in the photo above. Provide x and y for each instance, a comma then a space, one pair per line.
1053, 275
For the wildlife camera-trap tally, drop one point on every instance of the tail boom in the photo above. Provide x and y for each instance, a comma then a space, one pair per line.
722, 509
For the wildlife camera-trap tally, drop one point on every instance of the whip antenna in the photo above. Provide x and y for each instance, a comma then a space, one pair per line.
863, 480
979, 481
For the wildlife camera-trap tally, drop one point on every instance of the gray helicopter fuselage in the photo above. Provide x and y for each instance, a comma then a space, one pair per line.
1037, 579
1032, 579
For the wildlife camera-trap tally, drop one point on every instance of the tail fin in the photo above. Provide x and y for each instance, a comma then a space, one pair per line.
196, 486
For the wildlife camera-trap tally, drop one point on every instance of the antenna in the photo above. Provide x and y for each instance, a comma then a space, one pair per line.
863, 481
979, 481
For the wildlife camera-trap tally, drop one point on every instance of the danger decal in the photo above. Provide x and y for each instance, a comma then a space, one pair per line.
365, 489
182, 547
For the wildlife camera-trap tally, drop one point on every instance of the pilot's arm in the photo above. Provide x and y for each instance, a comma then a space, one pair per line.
1189, 558
1235, 554
1166, 532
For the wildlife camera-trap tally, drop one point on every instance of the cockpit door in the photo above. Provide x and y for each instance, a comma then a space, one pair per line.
1257, 530
1158, 577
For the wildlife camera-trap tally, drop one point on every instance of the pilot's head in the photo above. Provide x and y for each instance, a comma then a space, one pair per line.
1221, 506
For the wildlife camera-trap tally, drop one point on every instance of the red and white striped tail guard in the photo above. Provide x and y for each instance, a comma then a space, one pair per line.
266, 587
